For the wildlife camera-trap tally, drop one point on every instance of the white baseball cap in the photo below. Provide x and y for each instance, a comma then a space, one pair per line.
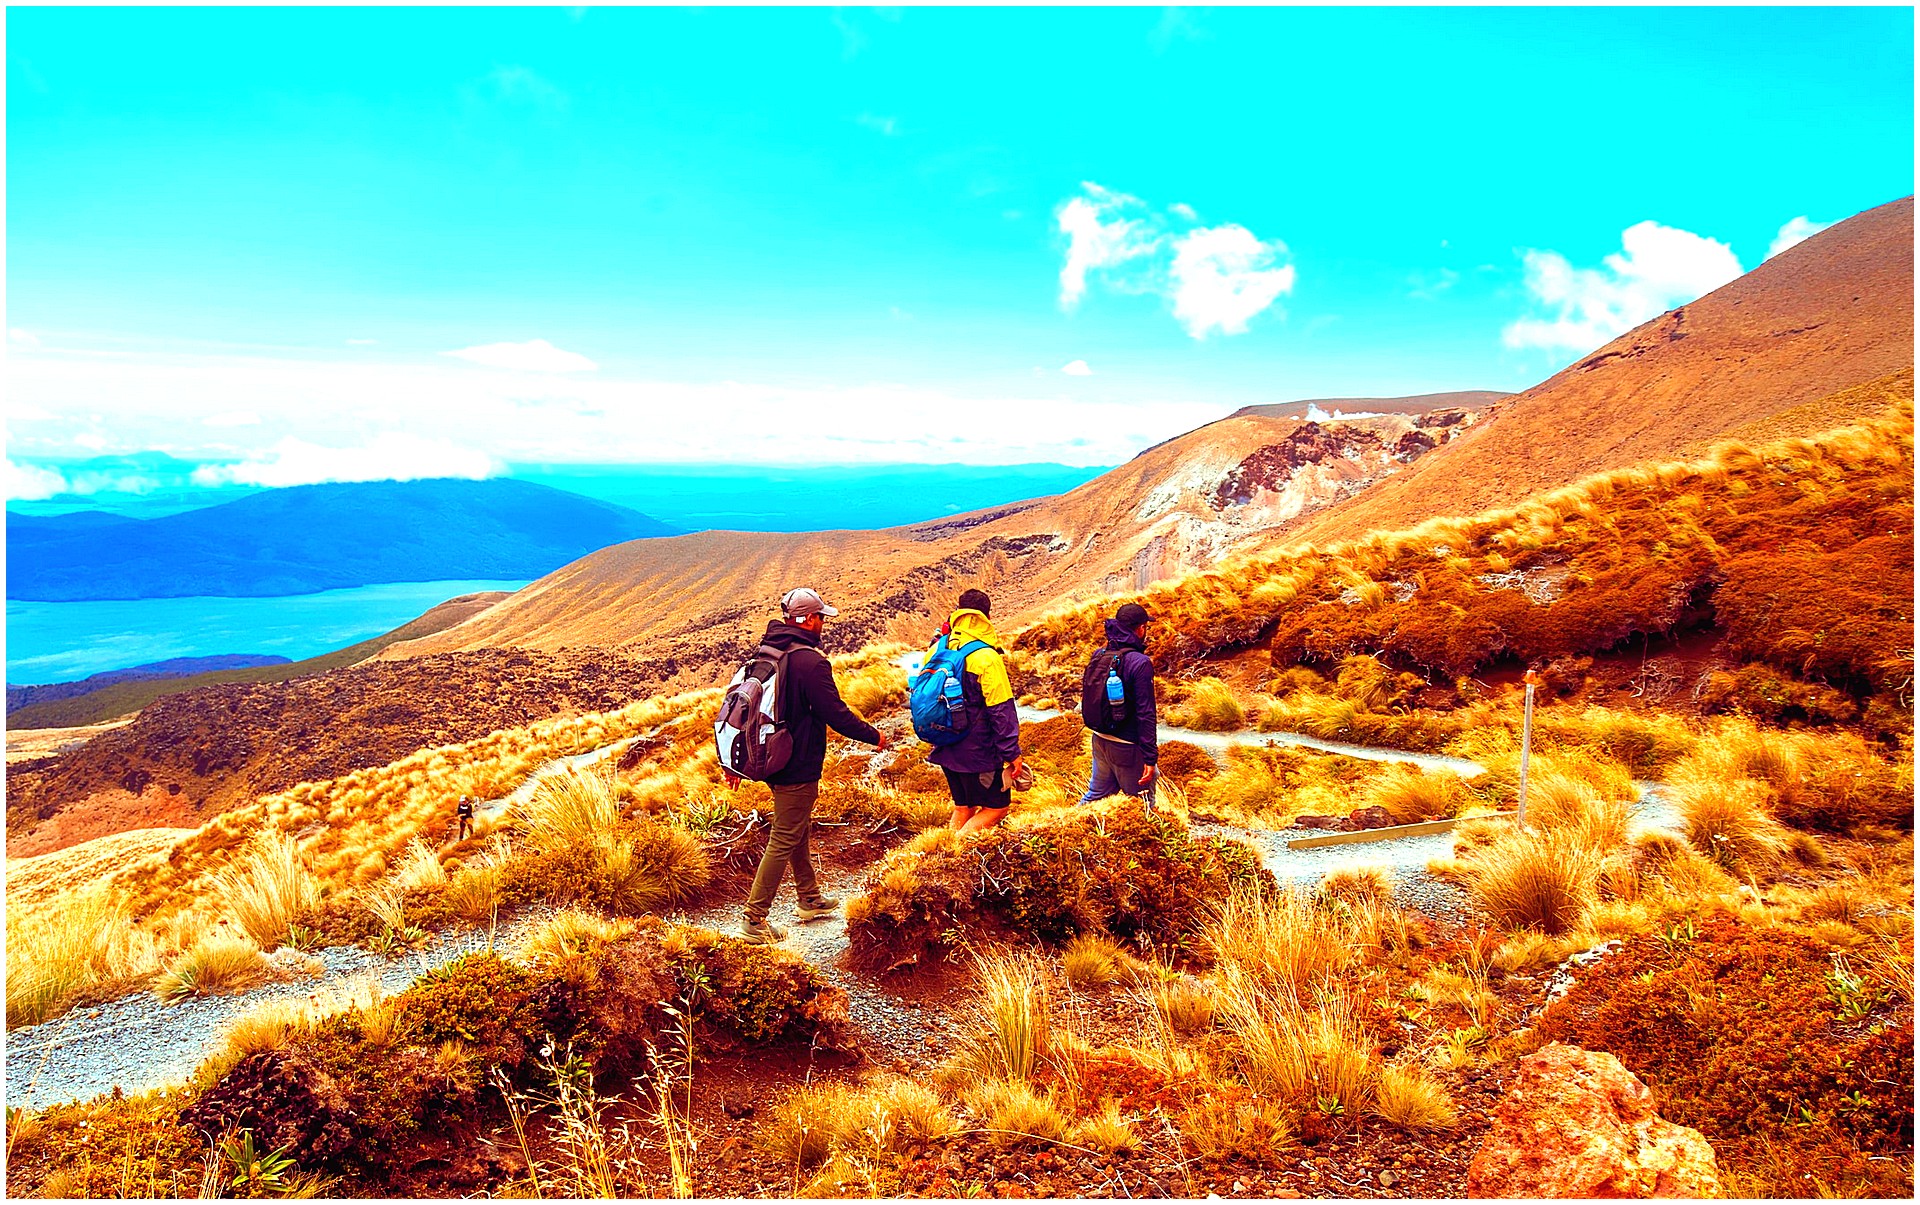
803, 602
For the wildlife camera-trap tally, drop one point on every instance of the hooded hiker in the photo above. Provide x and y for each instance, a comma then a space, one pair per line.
464, 814
1117, 706
773, 727
963, 704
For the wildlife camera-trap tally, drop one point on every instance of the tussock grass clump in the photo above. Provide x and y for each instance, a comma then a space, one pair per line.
1728, 821
267, 888
473, 891
1537, 879
1220, 1127
216, 963
1209, 706
420, 867
1411, 795
580, 849
1182, 1003
1014, 1110
571, 934
1358, 884
73, 945
887, 1115
1014, 1034
1274, 937
1105, 1131
1408, 1096
1298, 1053
1094, 960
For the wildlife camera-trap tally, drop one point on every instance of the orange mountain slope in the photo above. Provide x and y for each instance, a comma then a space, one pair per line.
1831, 313
1179, 506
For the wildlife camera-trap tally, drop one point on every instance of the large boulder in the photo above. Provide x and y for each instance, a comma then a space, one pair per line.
1575, 1123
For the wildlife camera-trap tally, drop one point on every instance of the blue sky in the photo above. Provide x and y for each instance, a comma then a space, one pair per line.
331, 242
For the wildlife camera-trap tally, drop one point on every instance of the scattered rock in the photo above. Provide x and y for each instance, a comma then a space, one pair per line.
1386, 1179
1575, 1123
736, 1108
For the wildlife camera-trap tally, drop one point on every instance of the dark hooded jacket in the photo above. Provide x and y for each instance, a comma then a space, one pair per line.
812, 704
1142, 724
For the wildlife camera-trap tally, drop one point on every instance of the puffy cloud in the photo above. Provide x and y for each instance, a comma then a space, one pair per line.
1217, 277
1076, 368
389, 456
1797, 231
1222, 276
21, 337
535, 355
30, 482
1098, 237
1657, 268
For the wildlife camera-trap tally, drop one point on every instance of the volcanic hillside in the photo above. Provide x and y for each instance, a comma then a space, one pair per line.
1834, 312
695, 600
1812, 338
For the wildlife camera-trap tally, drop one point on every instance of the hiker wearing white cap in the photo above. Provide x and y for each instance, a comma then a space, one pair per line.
811, 704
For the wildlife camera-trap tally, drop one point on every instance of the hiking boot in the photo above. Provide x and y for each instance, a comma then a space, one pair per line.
819, 909
761, 933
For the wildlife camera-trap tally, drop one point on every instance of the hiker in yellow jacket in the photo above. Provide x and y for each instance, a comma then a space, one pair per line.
983, 768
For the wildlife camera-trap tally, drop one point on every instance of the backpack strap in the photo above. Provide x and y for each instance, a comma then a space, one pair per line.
970, 648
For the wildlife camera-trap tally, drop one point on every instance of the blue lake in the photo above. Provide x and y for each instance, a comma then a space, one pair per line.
61, 641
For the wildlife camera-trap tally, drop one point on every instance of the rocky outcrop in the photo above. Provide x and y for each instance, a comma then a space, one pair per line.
1575, 1123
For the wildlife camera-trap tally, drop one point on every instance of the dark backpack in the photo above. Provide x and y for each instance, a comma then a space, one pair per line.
1098, 709
750, 734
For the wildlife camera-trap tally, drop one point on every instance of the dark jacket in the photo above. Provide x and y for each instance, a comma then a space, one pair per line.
1142, 725
992, 738
812, 704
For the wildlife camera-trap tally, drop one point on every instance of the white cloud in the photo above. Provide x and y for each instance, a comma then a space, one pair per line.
233, 418
1795, 232
1098, 237
30, 483
1076, 368
20, 412
389, 456
535, 355
1657, 268
1222, 276
1216, 277
21, 337
158, 401
889, 126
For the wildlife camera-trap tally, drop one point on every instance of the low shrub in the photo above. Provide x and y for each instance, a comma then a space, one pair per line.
219, 962
1743, 1035
1110, 867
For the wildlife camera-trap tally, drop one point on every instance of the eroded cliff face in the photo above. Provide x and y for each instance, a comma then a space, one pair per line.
1210, 505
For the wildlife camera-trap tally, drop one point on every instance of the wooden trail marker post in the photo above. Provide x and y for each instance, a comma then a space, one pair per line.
1526, 745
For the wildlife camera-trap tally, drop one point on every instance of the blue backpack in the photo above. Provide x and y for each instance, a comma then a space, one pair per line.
934, 694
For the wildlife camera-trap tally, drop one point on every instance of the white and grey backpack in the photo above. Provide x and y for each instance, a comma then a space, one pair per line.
751, 732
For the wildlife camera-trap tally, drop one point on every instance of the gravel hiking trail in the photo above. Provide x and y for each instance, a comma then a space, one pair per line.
137, 1043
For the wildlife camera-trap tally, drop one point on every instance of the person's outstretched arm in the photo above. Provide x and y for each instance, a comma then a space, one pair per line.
815, 677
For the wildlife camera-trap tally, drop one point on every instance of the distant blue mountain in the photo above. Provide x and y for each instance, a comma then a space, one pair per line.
309, 538
173, 667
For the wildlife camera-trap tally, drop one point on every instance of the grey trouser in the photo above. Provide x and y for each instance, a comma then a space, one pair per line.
1117, 767
787, 844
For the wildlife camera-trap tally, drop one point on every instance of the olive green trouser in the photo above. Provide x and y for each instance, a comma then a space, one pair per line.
786, 845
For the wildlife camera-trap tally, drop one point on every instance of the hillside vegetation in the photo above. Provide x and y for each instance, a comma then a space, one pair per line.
1139, 1004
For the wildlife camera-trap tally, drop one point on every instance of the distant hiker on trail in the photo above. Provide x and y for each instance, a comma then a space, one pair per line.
465, 815
962, 704
1117, 706
773, 727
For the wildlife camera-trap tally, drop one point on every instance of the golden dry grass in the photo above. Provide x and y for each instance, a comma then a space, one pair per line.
1210, 706
1273, 937
1538, 879
1411, 795
572, 933
267, 888
216, 964
1014, 1032
57, 954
